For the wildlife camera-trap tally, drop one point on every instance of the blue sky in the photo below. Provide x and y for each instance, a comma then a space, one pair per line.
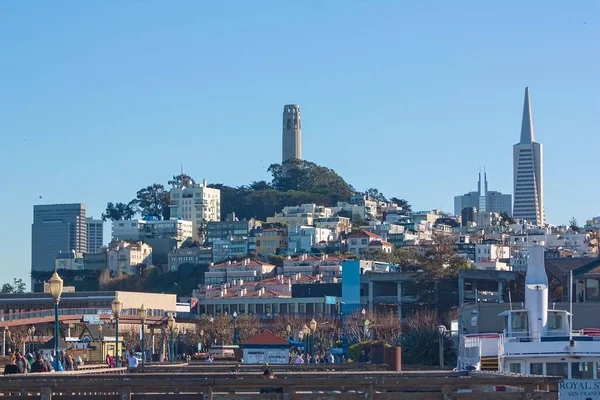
99, 99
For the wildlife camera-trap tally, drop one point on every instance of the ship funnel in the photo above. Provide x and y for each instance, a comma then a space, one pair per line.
536, 291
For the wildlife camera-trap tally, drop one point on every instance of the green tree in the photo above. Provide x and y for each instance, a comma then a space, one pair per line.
119, 211
18, 286
153, 201
181, 180
573, 225
402, 203
506, 219
375, 195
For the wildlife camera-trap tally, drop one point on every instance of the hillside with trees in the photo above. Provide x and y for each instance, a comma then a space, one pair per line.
303, 183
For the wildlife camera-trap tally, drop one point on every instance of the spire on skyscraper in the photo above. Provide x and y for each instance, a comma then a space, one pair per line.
527, 134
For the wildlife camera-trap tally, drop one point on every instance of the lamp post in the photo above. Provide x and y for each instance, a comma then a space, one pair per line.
305, 332
56, 287
176, 342
288, 330
30, 332
313, 328
171, 325
117, 306
201, 339
100, 339
143, 313
442, 332
4, 332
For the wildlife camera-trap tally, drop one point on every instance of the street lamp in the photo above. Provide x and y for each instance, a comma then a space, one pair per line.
313, 328
56, 287
117, 306
101, 342
31, 332
176, 333
171, 325
4, 332
143, 313
201, 339
305, 332
288, 330
442, 332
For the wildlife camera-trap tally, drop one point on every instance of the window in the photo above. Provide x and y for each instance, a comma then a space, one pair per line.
519, 321
515, 368
592, 292
557, 369
554, 320
536, 369
582, 370
364, 241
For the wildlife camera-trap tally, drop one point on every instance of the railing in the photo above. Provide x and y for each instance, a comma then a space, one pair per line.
297, 385
226, 367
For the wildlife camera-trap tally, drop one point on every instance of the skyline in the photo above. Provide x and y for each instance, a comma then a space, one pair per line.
125, 97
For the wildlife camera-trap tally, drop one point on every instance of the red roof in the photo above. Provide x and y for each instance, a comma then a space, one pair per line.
249, 263
266, 338
380, 243
363, 234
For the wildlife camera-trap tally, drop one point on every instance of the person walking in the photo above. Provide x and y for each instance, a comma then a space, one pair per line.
22, 363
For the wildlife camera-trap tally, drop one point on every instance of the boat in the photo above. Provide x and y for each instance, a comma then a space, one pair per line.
535, 340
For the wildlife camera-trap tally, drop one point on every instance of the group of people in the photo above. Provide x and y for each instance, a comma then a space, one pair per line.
30, 363
317, 359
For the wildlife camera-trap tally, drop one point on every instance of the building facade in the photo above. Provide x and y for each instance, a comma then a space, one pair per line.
162, 235
190, 255
528, 178
56, 228
198, 204
128, 257
95, 234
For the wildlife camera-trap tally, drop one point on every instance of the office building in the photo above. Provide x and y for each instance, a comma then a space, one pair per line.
292, 133
197, 203
483, 199
56, 228
528, 174
95, 234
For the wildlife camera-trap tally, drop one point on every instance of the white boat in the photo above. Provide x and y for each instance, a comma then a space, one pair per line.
536, 340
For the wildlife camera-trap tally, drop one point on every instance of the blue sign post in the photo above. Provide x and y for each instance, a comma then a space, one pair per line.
331, 300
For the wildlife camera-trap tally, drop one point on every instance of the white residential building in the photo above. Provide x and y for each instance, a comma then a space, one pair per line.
95, 234
491, 252
128, 256
364, 240
304, 214
246, 270
197, 203
302, 239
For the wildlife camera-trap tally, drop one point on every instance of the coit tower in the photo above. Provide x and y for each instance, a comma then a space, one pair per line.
292, 133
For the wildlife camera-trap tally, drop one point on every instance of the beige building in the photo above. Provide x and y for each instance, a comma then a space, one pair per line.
338, 225
270, 241
128, 257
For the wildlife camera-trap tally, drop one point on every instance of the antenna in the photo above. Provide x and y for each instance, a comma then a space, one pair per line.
509, 298
570, 304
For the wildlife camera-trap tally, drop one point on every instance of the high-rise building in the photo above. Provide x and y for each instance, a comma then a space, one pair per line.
528, 172
197, 203
483, 199
56, 228
95, 234
292, 133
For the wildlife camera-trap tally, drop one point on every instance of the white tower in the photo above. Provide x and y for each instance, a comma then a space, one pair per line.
528, 177
292, 133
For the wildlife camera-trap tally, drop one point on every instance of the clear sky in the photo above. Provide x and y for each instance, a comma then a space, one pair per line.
99, 99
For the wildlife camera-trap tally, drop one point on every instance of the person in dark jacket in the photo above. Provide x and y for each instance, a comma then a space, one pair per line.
39, 365
48, 364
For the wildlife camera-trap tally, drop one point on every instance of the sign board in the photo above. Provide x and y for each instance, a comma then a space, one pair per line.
105, 312
91, 318
330, 300
579, 389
